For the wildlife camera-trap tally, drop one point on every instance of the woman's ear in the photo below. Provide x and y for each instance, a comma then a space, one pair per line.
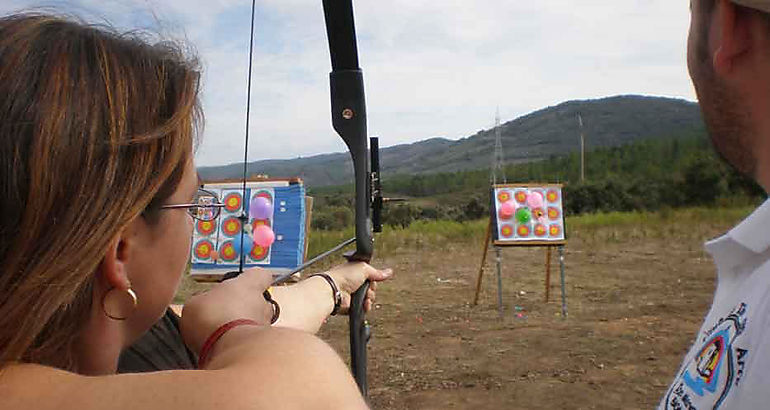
114, 264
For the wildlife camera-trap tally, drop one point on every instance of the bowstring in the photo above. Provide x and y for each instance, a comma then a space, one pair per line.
244, 218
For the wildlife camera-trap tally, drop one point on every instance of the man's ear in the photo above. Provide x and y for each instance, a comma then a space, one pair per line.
732, 39
114, 264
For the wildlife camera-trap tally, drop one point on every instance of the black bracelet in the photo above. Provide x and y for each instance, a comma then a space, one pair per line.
276, 308
335, 291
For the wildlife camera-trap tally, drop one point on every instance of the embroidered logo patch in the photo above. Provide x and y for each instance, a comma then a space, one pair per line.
707, 378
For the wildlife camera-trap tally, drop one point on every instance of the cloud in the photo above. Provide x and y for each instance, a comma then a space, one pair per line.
431, 68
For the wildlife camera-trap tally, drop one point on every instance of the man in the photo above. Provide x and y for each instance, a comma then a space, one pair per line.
729, 60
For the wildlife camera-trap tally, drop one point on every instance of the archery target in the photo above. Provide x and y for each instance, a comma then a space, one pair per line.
552, 195
227, 252
233, 201
206, 228
256, 222
203, 250
259, 253
264, 194
553, 213
231, 227
219, 246
538, 216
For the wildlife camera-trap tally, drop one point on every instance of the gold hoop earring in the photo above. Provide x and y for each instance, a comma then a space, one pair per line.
119, 304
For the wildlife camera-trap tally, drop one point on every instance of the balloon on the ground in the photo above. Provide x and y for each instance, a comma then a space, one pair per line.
260, 208
264, 236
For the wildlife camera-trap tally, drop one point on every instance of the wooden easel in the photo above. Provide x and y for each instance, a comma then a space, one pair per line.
548, 246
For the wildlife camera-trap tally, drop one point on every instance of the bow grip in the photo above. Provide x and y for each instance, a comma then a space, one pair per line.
359, 336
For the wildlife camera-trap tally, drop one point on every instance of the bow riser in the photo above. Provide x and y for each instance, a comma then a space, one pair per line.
349, 120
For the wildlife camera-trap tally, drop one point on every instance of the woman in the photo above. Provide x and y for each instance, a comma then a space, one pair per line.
96, 144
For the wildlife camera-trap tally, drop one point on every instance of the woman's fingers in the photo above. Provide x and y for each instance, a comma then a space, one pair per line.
377, 275
350, 277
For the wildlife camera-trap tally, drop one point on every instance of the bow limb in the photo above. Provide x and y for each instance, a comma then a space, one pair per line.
349, 120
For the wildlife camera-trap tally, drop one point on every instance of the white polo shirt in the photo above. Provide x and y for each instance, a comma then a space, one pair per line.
727, 364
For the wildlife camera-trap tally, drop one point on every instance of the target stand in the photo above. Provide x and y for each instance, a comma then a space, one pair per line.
525, 215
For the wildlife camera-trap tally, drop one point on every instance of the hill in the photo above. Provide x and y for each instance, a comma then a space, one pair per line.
552, 131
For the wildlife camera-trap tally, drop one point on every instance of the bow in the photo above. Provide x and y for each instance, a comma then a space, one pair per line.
348, 110
348, 107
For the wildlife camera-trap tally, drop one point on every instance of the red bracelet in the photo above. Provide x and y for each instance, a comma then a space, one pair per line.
221, 330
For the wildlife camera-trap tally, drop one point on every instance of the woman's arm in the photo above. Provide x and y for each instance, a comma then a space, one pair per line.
306, 305
251, 367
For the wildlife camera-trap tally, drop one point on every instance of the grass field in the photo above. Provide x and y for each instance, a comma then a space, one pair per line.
638, 285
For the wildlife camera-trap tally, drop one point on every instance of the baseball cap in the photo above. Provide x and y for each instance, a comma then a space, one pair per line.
761, 5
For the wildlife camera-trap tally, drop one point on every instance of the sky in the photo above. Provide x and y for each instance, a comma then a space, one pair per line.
432, 68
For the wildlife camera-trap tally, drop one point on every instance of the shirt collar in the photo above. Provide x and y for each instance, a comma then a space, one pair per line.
751, 236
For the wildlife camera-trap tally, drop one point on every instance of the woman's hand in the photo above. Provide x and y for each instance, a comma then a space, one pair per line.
237, 298
351, 276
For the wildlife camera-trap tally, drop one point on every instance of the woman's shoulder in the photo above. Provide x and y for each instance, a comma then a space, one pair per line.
28, 386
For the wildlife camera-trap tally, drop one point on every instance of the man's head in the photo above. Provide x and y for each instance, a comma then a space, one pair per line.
729, 62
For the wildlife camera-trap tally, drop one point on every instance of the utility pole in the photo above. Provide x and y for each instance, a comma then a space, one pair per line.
582, 150
498, 165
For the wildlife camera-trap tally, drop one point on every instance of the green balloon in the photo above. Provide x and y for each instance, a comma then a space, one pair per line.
523, 215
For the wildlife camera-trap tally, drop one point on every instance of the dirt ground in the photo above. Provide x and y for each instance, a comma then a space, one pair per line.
635, 299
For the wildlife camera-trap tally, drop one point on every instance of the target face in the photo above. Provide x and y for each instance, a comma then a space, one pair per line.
259, 253
552, 195
227, 252
203, 249
233, 202
536, 208
223, 233
553, 213
206, 228
231, 226
256, 222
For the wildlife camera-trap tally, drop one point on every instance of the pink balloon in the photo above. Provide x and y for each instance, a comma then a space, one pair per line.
507, 209
263, 236
535, 199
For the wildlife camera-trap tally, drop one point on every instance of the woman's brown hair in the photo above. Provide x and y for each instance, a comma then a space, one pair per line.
95, 129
